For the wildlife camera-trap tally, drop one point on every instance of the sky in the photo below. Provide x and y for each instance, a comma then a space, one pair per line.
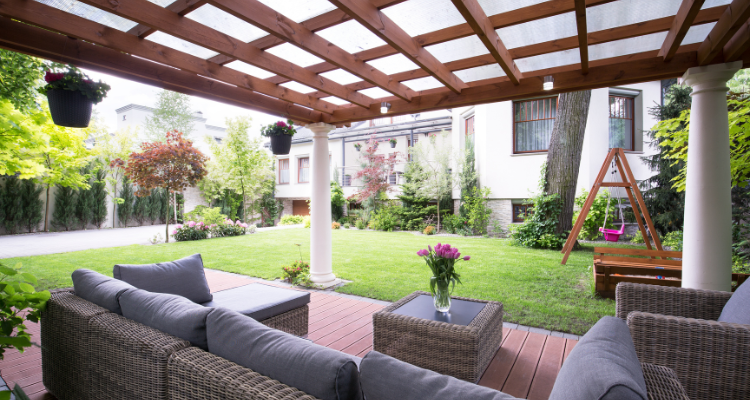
125, 92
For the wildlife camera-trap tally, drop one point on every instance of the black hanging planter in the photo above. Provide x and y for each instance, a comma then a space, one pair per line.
393, 145
280, 144
69, 108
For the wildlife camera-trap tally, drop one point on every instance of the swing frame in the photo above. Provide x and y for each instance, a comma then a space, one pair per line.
630, 186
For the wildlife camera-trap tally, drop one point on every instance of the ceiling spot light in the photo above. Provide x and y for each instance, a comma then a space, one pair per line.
384, 107
549, 82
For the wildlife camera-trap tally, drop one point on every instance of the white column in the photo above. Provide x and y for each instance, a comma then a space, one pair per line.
707, 239
320, 207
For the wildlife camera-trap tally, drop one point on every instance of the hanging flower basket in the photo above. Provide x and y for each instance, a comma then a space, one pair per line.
357, 146
393, 143
71, 95
281, 134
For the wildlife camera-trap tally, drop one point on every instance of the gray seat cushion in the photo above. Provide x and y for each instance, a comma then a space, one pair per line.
184, 277
99, 289
735, 311
603, 365
168, 313
324, 373
259, 301
386, 378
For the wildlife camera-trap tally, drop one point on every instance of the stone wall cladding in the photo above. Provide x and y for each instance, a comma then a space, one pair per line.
502, 212
193, 198
288, 209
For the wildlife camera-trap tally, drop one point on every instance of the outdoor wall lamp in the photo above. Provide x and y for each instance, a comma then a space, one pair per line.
384, 107
549, 82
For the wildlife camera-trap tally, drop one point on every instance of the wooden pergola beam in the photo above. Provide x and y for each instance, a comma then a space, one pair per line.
583, 44
264, 17
687, 13
477, 19
181, 7
147, 13
41, 15
383, 27
738, 44
43, 43
730, 22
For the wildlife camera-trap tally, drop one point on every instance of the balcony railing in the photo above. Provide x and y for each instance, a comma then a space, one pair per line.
347, 176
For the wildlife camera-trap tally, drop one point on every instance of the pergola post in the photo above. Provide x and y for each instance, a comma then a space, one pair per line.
320, 210
707, 240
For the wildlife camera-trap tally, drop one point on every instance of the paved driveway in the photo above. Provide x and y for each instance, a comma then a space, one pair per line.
34, 244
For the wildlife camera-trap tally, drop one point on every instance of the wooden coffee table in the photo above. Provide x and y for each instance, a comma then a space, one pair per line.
459, 343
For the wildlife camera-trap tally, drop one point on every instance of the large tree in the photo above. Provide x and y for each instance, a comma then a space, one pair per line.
373, 173
172, 165
240, 164
172, 113
20, 77
113, 151
564, 153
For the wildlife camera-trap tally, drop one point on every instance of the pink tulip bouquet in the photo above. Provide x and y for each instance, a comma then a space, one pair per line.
442, 261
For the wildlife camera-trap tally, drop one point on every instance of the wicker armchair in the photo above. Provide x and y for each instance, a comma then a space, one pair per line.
677, 328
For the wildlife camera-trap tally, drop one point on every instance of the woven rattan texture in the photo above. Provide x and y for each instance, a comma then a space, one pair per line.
460, 351
129, 358
662, 383
65, 335
196, 374
294, 321
688, 303
710, 358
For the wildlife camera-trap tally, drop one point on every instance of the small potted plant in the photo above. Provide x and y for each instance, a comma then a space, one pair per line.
280, 134
71, 94
358, 146
442, 262
393, 142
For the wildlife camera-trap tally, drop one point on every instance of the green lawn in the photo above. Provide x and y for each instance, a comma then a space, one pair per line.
535, 289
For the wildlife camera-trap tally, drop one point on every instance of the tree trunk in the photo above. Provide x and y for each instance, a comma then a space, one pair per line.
166, 236
437, 228
114, 204
174, 204
564, 154
46, 212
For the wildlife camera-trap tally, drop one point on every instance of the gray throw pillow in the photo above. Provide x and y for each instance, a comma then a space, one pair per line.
602, 366
99, 289
321, 372
386, 378
184, 277
168, 313
736, 309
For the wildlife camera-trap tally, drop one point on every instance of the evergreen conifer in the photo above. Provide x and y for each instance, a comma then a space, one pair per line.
155, 206
415, 207
99, 198
13, 205
32, 204
141, 207
125, 210
64, 215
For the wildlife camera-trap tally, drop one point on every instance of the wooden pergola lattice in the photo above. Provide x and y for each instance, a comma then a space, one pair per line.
582, 44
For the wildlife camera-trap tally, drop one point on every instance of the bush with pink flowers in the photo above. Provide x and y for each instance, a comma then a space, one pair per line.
191, 230
228, 228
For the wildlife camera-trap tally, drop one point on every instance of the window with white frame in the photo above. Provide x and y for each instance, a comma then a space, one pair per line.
621, 122
533, 121
303, 171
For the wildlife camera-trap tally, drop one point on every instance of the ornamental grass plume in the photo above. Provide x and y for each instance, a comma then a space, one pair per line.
442, 261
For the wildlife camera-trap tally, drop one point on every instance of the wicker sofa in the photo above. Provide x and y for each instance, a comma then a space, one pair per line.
90, 352
678, 328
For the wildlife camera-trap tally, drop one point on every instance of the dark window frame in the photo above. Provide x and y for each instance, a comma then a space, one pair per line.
299, 169
631, 100
513, 119
527, 209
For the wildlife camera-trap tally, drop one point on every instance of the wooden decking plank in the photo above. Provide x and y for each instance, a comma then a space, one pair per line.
359, 346
341, 308
338, 316
522, 373
351, 338
23, 378
546, 371
344, 331
569, 344
497, 372
367, 311
21, 365
315, 310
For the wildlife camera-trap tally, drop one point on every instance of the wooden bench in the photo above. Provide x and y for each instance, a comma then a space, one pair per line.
614, 265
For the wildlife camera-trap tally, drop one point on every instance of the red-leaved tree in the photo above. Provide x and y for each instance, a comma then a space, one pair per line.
374, 173
172, 165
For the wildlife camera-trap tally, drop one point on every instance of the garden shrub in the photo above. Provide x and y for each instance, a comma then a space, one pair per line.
209, 216
252, 229
297, 274
346, 226
228, 228
306, 221
19, 302
429, 230
291, 220
597, 212
453, 223
335, 225
538, 231
337, 200
386, 218
637, 238
190, 231
673, 240
477, 211
360, 224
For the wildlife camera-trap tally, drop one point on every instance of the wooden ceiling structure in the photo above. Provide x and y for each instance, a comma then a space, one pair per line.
59, 30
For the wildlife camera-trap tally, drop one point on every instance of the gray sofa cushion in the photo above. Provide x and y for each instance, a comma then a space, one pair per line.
386, 378
324, 373
259, 301
735, 311
168, 313
184, 277
99, 289
603, 365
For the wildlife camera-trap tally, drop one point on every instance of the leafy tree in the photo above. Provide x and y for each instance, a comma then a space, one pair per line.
13, 205
22, 141
469, 179
112, 150
438, 179
32, 204
125, 210
64, 215
415, 207
172, 113
740, 82
374, 172
20, 77
241, 165
663, 201
172, 165
99, 196
337, 201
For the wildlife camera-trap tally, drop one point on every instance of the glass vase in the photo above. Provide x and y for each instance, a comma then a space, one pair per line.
442, 296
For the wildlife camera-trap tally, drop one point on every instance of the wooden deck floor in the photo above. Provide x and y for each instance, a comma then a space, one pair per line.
525, 366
